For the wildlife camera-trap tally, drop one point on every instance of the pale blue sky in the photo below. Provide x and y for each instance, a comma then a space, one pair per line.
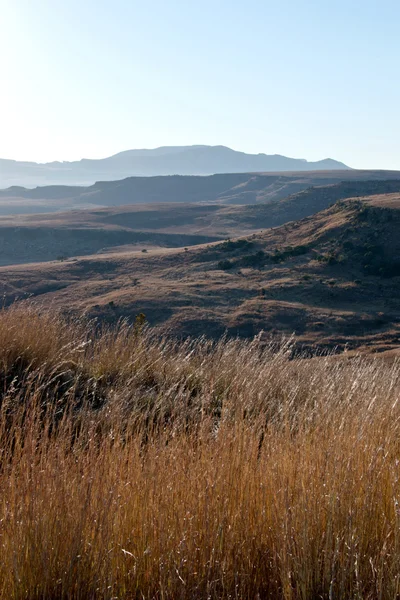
309, 79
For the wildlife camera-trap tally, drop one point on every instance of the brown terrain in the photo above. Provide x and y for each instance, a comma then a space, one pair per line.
42, 237
331, 279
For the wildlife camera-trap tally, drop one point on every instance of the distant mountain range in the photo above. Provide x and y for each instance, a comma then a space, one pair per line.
168, 160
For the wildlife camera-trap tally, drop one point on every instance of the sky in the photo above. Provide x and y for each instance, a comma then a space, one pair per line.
304, 78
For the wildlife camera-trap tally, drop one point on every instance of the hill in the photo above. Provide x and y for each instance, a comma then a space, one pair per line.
180, 160
41, 237
332, 279
234, 188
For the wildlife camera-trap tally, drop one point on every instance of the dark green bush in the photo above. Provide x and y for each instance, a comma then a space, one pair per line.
254, 260
225, 265
288, 252
230, 246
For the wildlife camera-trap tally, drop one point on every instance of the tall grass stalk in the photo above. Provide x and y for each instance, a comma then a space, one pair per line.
133, 467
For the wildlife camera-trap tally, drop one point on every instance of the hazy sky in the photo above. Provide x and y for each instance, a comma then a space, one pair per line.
304, 78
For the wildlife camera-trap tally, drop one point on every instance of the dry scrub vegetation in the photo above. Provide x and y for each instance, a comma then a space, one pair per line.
134, 467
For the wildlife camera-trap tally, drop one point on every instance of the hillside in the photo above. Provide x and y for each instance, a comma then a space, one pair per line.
332, 279
233, 189
41, 237
180, 160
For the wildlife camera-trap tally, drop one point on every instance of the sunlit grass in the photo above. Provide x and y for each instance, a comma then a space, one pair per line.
133, 467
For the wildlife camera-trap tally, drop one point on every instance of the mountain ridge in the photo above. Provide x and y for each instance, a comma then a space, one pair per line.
165, 160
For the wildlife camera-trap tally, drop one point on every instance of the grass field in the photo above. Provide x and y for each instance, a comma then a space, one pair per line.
137, 467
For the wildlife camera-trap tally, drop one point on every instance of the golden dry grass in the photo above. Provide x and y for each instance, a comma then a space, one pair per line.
133, 467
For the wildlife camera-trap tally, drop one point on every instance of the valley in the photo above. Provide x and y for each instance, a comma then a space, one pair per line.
331, 279
28, 238
200, 300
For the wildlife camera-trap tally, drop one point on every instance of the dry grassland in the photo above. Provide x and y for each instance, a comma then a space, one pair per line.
134, 467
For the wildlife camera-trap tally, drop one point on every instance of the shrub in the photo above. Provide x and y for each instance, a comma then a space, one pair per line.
288, 252
225, 265
254, 260
230, 246
330, 258
140, 322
